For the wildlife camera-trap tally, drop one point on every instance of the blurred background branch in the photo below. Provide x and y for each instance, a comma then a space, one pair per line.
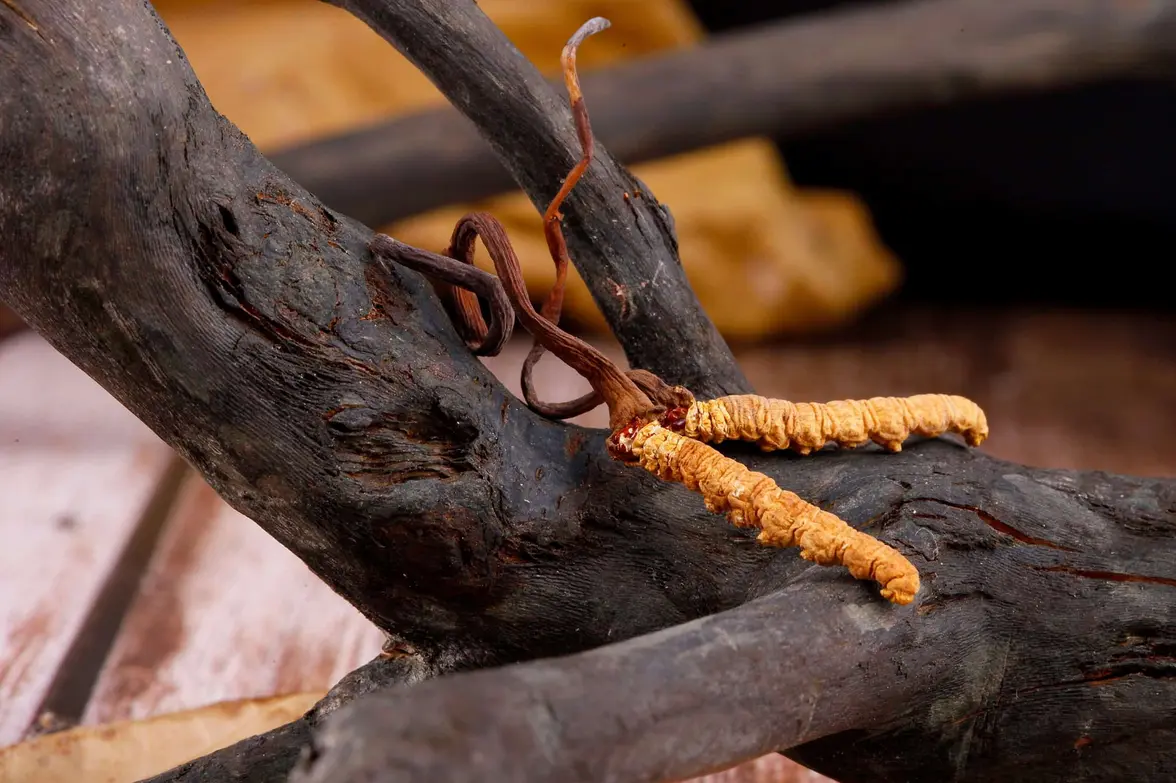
782, 79
1006, 136
1019, 137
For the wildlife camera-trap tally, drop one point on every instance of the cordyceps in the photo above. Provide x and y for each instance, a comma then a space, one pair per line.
751, 499
805, 427
662, 428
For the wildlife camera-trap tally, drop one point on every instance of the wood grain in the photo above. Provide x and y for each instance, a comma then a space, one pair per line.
76, 470
226, 613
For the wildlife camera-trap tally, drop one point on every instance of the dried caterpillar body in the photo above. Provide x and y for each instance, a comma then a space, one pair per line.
747, 498
751, 499
807, 426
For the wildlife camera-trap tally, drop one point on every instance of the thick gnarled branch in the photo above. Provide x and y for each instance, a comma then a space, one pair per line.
1027, 633
323, 395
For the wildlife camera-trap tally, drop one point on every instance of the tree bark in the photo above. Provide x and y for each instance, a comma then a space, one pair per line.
782, 80
323, 395
330, 399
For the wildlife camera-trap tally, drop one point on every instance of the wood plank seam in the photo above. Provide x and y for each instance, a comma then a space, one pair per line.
69, 693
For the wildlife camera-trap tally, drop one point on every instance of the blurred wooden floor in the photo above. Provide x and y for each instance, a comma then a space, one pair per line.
128, 589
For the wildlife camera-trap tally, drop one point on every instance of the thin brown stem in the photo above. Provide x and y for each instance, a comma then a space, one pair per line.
557, 246
451, 280
644, 388
458, 282
625, 400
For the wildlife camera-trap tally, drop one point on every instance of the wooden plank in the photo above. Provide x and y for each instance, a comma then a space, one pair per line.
76, 471
225, 613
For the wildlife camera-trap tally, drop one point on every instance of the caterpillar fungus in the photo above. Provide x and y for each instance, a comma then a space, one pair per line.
805, 427
751, 499
662, 428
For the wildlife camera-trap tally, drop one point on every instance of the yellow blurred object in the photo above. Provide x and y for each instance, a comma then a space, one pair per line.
133, 750
764, 258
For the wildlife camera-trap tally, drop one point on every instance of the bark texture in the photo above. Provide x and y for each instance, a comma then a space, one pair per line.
1041, 649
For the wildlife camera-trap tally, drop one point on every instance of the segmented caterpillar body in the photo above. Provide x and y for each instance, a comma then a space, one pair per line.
807, 426
751, 499
674, 448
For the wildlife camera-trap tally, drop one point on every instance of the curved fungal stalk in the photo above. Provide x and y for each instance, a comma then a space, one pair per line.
557, 246
805, 427
625, 399
751, 499
459, 284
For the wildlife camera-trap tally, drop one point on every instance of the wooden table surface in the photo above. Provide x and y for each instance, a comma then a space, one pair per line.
128, 589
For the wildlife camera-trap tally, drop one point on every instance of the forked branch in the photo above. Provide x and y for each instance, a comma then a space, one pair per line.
619, 244
331, 400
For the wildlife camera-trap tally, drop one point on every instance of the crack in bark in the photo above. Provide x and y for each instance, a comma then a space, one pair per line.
1108, 576
23, 15
992, 522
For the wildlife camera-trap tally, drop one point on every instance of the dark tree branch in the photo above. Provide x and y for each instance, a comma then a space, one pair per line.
320, 393
330, 400
783, 80
1018, 662
621, 239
